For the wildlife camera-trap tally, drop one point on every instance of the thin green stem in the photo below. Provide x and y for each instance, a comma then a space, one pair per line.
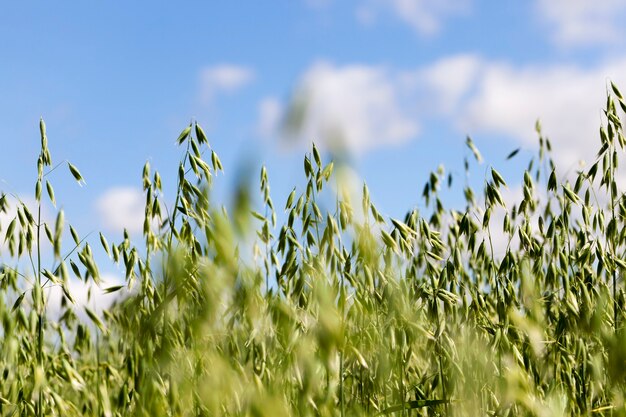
41, 312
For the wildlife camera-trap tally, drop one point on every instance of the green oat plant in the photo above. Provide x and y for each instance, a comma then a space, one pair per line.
499, 308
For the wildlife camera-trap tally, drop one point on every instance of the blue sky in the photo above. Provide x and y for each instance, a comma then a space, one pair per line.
400, 82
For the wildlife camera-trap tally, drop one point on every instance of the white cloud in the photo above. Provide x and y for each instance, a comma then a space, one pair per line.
122, 207
355, 108
424, 16
270, 114
87, 295
446, 83
223, 78
583, 22
361, 108
568, 101
479, 96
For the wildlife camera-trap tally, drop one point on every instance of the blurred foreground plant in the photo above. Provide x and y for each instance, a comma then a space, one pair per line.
338, 311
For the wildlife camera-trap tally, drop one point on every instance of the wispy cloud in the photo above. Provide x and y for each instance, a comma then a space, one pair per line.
270, 114
445, 83
121, 208
582, 22
223, 78
355, 108
423, 16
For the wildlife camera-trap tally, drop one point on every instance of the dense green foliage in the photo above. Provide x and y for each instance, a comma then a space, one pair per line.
337, 312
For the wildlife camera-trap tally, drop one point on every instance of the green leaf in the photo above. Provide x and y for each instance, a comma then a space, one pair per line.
17, 302
616, 90
183, 135
217, 164
552, 182
95, 319
573, 197
60, 222
292, 195
10, 229
200, 134
74, 235
50, 191
328, 170
389, 241
75, 268
113, 288
46, 273
434, 256
497, 178
76, 173
360, 358
472, 147
316, 156
105, 244
512, 154
410, 405
38, 190
257, 215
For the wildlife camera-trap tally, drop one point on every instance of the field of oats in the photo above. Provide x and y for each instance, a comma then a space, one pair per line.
496, 308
